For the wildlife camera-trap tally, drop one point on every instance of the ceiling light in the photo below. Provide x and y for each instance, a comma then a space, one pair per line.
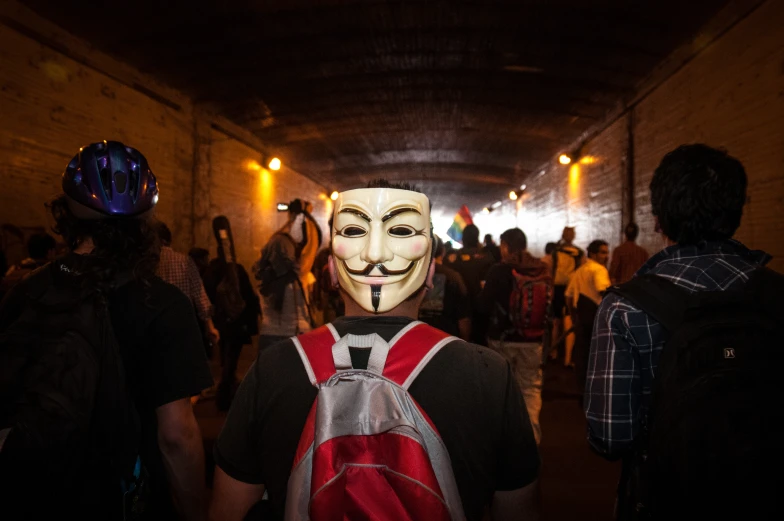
496, 205
522, 187
513, 195
274, 164
485, 210
334, 195
564, 159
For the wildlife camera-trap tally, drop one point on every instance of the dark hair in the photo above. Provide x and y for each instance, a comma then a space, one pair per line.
385, 183
550, 248
200, 257
488, 239
164, 233
121, 244
631, 231
39, 245
199, 254
440, 248
595, 246
470, 236
296, 207
515, 240
697, 193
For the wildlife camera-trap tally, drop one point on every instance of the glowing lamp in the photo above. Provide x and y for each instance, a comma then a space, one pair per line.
274, 164
564, 159
334, 195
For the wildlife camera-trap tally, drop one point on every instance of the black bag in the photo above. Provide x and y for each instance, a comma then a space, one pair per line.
71, 431
711, 437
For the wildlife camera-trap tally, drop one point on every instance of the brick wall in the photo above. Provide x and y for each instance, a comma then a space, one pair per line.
730, 95
54, 101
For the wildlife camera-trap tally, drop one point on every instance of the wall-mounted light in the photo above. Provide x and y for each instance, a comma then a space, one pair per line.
334, 195
496, 205
486, 210
513, 195
522, 187
273, 163
564, 159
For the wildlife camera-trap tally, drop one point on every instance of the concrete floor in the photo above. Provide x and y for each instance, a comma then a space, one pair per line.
576, 484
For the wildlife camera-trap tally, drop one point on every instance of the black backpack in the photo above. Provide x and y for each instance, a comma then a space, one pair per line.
711, 439
70, 431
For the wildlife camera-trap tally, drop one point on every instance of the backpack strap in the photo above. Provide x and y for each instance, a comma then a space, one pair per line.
658, 297
315, 350
410, 351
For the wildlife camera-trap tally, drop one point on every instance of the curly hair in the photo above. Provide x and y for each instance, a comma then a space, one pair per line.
697, 193
121, 245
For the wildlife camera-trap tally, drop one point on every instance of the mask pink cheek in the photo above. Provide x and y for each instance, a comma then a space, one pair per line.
340, 250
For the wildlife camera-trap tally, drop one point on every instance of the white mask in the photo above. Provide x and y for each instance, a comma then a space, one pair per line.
381, 245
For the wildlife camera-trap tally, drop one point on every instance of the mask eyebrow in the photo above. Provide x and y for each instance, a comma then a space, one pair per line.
398, 211
356, 212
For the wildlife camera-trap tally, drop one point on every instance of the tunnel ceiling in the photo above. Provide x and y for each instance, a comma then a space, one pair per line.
464, 98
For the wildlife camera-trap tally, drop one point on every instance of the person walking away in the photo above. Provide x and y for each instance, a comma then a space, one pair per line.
517, 298
98, 360
180, 271
472, 262
683, 377
392, 372
628, 257
583, 296
446, 306
236, 308
566, 259
284, 309
492, 248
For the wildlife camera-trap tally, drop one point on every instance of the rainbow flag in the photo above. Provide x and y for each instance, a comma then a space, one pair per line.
462, 219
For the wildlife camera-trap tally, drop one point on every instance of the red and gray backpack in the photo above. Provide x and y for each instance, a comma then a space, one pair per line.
530, 303
368, 450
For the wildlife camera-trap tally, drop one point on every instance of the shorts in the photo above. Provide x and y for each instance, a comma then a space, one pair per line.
559, 301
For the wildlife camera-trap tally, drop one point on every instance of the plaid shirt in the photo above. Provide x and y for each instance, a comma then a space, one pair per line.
626, 342
179, 270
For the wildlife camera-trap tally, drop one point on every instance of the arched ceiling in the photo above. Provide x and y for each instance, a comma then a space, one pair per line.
465, 98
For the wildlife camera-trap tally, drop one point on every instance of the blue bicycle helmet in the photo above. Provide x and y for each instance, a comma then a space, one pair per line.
109, 179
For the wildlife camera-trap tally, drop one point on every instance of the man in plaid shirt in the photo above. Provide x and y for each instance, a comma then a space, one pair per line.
697, 197
179, 270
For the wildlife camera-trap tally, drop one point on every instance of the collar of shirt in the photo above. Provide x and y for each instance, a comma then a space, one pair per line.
729, 247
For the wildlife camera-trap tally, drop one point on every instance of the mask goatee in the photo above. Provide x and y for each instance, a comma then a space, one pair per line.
375, 296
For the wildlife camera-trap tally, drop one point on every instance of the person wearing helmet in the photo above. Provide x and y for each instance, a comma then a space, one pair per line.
105, 217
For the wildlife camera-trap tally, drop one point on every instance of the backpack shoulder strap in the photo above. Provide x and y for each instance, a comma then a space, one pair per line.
410, 351
315, 350
657, 296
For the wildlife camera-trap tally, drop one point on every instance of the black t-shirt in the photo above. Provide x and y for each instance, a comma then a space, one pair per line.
161, 346
468, 391
447, 302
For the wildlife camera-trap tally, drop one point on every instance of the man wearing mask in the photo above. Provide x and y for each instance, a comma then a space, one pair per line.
382, 262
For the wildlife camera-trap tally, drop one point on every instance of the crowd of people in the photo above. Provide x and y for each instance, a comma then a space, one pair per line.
397, 377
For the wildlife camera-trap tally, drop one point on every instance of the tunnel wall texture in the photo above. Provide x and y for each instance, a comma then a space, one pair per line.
730, 95
57, 94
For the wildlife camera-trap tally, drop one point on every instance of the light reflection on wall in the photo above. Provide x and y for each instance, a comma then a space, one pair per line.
574, 181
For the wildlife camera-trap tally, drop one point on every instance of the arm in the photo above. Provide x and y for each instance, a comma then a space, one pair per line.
232, 499
182, 450
523, 503
612, 389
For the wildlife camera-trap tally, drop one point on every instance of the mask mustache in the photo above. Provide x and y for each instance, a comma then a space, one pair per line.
383, 269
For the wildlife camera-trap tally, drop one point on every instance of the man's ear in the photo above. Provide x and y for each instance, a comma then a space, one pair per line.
333, 272
431, 271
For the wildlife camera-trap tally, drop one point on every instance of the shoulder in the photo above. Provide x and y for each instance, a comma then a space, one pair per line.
461, 359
